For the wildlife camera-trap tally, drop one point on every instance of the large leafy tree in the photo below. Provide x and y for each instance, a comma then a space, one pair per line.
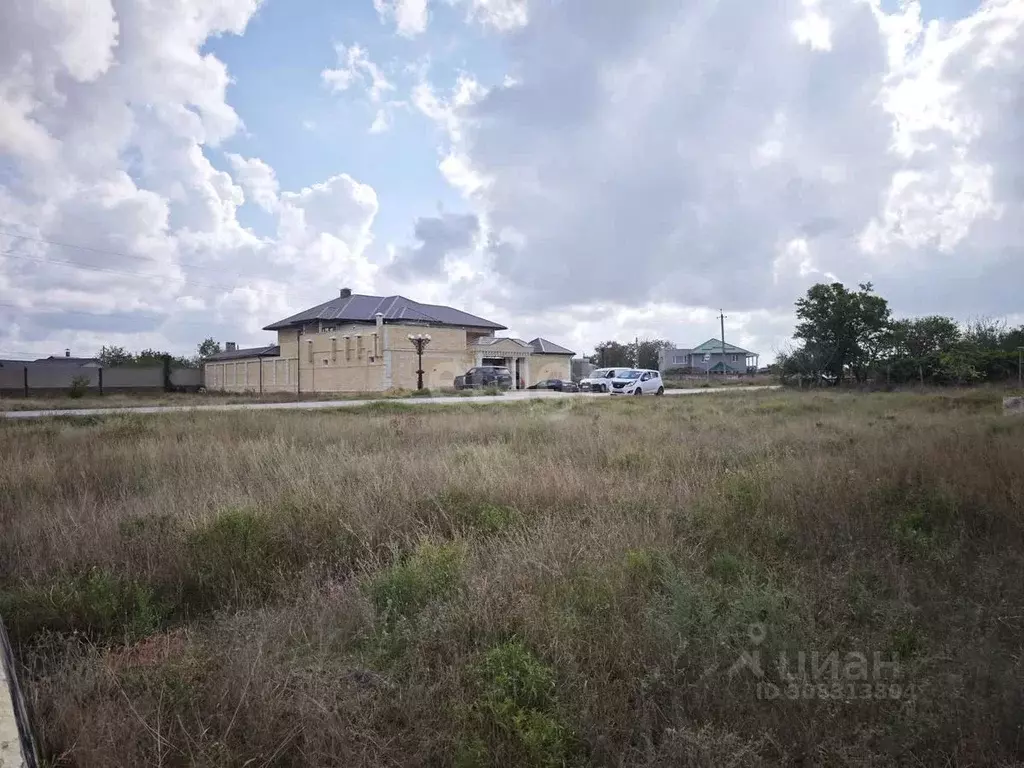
642, 353
112, 356
647, 352
612, 354
208, 348
921, 342
842, 330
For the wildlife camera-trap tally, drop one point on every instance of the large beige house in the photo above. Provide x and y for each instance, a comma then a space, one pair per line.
357, 343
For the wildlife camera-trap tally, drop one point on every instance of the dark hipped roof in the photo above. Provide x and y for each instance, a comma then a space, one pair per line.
358, 308
545, 347
272, 350
64, 360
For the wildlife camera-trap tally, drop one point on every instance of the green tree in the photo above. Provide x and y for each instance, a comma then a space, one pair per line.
114, 356
920, 342
646, 351
611, 354
842, 329
208, 348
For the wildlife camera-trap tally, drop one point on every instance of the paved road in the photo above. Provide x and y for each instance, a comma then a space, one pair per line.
308, 405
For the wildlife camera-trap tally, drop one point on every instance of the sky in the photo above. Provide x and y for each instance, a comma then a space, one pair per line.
580, 170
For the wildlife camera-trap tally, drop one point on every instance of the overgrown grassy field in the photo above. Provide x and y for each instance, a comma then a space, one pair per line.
552, 583
62, 401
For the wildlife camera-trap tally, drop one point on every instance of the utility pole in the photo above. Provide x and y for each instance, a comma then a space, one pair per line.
636, 352
1020, 367
721, 316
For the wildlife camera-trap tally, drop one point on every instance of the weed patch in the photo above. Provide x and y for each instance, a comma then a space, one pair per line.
100, 604
514, 719
431, 572
235, 556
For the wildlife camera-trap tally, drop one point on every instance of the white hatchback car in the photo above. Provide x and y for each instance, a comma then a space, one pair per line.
638, 381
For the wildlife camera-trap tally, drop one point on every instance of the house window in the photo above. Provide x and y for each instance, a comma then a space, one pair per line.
348, 348
310, 346
679, 359
376, 352
359, 347
334, 350
735, 358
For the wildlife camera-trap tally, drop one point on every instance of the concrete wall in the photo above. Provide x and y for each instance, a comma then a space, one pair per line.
244, 375
549, 367
50, 379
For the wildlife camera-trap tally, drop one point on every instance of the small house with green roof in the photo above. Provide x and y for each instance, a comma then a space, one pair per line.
709, 356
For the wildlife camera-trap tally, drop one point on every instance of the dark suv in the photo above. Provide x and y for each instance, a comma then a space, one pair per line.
485, 376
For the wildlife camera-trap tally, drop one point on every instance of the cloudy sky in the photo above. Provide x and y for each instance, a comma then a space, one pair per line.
574, 169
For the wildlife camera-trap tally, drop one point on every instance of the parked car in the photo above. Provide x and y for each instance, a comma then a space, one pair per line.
600, 380
638, 381
485, 376
557, 385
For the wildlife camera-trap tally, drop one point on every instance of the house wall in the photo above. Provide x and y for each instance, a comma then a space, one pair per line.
350, 358
366, 357
549, 367
446, 357
697, 363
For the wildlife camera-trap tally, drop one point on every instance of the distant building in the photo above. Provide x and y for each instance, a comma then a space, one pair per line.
66, 359
358, 343
709, 357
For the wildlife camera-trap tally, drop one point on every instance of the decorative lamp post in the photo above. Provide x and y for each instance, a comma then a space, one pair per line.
420, 341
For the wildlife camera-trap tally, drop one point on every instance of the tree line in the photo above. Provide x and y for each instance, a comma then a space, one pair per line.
846, 335
642, 353
119, 357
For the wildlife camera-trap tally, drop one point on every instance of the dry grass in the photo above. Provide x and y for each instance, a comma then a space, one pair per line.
62, 402
548, 583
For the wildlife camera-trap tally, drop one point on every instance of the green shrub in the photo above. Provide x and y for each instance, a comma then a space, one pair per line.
477, 512
79, 386
645, 568
515, 712
235, 554
431, 572
101, 604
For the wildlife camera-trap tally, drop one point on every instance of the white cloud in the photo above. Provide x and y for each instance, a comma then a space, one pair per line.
355, 67
813, 28
106, 115
501, 15
381, 122
257, 178
410, 16
735, 152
